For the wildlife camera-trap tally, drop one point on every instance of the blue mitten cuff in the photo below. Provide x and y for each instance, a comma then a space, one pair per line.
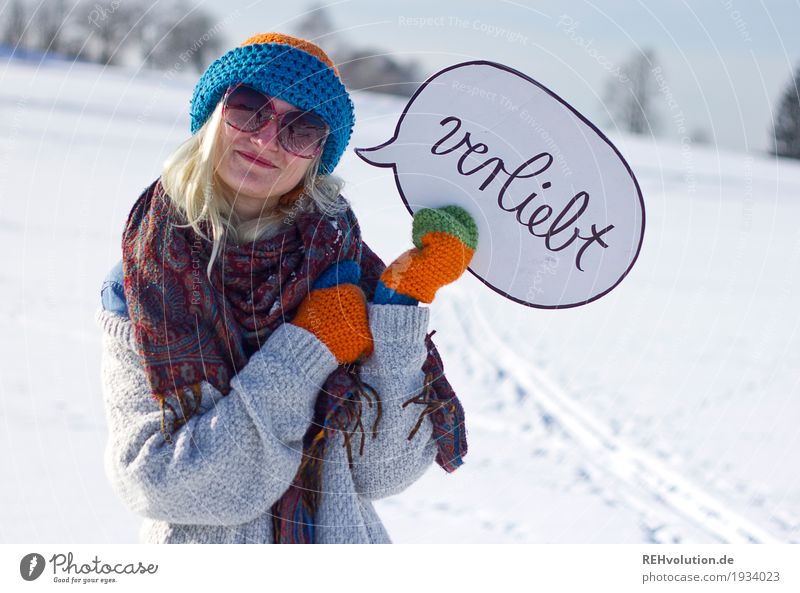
387, 296
349, 272
343, 272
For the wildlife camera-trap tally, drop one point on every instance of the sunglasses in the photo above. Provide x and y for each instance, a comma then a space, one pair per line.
301, 133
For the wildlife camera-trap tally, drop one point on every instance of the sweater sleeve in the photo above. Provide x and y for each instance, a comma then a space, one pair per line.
234, 458
391, 462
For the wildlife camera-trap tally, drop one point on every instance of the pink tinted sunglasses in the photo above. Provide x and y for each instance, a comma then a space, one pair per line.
301, 133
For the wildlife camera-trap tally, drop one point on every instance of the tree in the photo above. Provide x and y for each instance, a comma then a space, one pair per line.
700, 136
630, 96
368, 69
317, 26
179, 35
786, 126
361, 68
110, 25
16, 18
47, 25
166, 34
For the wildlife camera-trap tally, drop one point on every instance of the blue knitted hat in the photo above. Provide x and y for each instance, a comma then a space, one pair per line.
291, 69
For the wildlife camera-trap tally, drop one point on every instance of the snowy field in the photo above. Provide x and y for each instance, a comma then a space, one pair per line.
665, 412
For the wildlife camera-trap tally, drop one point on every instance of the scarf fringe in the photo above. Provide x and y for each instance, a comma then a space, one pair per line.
188, 409
426, 399
293, 514
363, 391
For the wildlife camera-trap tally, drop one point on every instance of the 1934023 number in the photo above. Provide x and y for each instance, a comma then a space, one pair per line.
757, 576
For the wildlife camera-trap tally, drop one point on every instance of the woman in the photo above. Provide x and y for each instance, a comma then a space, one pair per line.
265, 375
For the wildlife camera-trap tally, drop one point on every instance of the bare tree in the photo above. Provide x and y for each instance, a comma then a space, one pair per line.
361, 68
164, 34
317, 26
374, 70
630, 96
197, 39
786, 127
179, 36
700, 136
47, 25
55, 26
15, 16
109, 28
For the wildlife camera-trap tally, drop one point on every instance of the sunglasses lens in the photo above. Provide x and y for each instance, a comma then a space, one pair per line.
302, 133
247, 110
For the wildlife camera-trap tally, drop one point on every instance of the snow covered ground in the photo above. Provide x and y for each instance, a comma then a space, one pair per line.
666, 411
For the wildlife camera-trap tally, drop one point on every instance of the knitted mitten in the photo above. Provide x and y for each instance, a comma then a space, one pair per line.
335, 311
445, 239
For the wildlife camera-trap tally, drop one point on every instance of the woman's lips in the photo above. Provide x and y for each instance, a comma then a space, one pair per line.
256, 160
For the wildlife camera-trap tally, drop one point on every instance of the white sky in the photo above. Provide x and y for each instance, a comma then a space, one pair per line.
724, 61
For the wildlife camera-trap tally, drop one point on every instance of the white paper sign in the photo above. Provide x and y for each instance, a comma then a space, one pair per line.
559, 211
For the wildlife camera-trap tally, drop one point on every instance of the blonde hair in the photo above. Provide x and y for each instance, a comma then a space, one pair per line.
189, 179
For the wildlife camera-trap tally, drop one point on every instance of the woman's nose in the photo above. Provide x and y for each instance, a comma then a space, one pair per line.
266, 136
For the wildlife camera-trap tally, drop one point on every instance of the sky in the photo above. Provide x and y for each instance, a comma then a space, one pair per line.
720, 65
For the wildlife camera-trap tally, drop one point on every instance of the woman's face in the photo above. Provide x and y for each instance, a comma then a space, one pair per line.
255, 167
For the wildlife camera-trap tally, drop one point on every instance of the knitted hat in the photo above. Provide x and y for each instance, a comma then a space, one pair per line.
291, 69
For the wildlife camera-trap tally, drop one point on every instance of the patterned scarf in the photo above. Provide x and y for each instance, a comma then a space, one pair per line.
189, 329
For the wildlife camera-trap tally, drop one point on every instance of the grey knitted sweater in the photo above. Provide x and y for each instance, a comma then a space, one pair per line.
239, 454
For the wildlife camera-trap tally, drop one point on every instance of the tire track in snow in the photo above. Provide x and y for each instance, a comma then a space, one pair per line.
640, 477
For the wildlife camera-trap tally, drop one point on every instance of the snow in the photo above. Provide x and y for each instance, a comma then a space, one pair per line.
664, 412
275, 306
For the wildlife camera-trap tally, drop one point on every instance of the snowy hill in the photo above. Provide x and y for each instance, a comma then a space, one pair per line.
664, 412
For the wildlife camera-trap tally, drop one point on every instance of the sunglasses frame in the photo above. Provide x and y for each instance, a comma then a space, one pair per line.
272, 117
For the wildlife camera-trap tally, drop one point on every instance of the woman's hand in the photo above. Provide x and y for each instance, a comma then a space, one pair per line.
335, 311
445, 240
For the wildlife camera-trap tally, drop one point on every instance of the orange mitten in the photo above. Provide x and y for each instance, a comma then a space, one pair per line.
336, 312
445, 239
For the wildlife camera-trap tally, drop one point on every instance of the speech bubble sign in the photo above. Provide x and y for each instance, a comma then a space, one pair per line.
559, 211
